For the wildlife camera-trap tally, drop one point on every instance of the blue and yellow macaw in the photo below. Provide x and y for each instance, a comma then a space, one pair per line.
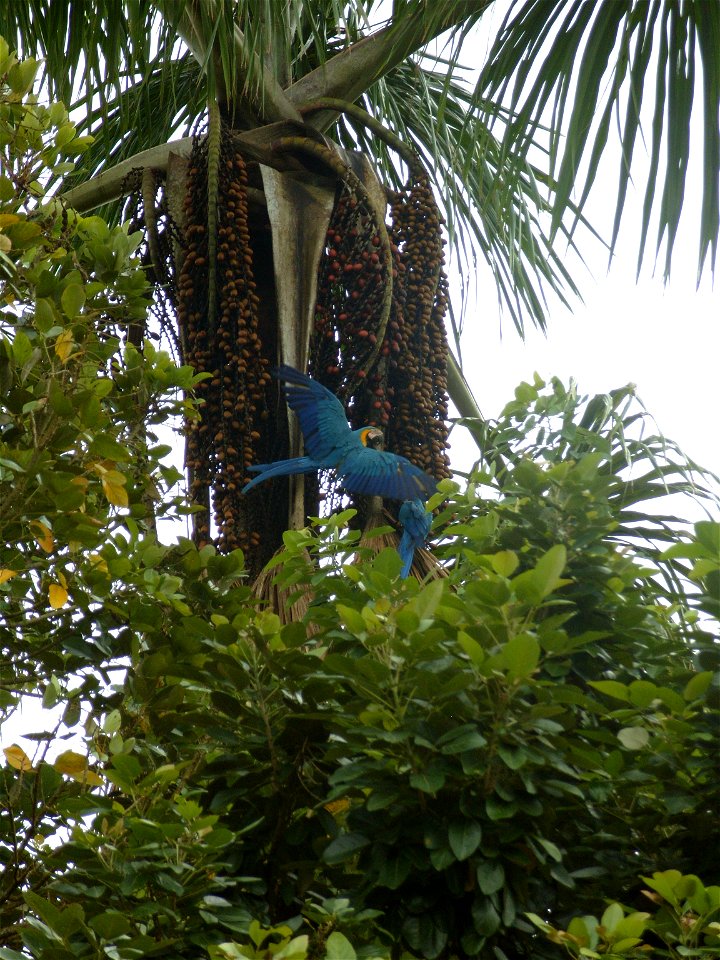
416, 526
330, 444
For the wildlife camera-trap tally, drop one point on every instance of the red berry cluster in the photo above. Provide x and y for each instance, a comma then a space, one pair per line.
404, 387
417, 375
350, 294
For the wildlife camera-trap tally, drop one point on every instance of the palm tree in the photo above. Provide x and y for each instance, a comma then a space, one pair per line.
268, 234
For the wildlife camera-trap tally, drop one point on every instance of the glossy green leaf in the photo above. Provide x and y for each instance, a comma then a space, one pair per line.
697, 686
490, 876
344, 847
461, 740
72, 300
464, 837
485, 917
110, 925
612, 688
338, 947
428, 781
533, 586
352, 619
634, 738
505, 562
521, 655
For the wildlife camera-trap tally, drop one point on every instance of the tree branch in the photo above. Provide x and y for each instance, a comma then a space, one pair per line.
254, 144
460, 392
352, 71
107, 185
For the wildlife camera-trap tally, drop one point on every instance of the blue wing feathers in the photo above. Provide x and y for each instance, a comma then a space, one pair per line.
330, 443
321, 415
383, 474
280, 468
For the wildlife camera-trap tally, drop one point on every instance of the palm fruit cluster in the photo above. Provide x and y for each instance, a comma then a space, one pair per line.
222, 339
385, 357
351, 289
395, 374
417, 373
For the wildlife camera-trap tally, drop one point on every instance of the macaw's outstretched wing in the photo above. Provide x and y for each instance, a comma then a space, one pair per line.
280, 468
331, 443
379, 473
322, 417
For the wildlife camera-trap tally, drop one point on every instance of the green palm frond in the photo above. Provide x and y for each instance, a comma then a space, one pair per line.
90, 49
581, 67
563, 71
164, 104
618, 439
493, 206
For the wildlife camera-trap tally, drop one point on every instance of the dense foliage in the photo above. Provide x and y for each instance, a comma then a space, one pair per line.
409, 771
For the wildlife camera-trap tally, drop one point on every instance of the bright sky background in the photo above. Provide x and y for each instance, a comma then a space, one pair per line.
664, 339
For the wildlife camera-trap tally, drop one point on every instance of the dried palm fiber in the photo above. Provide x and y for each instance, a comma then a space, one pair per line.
424, 565
290, 602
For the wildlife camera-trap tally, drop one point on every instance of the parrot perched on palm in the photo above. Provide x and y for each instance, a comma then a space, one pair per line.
330, 444
416, 525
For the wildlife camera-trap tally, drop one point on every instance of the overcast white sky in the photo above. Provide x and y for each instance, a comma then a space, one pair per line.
665, 339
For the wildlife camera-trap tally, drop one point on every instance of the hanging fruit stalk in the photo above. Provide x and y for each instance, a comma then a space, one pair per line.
378, 337
229, 434
402, 366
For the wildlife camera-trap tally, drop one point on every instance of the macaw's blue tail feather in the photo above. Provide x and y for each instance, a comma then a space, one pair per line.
406, 549
281, 468
416, 526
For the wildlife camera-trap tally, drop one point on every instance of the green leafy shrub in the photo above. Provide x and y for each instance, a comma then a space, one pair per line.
411, 770
687, 924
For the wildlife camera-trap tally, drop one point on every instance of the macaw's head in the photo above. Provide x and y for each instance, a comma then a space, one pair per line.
371, 437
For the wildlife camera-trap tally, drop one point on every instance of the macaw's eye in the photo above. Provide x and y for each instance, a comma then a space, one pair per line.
374, 439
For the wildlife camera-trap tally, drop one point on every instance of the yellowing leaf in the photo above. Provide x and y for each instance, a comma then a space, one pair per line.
98, 562
113, 484
63, 345
71, 763
5, 243
75, 765
58, 596
43, 535
7, 574
17, 758
7, 218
